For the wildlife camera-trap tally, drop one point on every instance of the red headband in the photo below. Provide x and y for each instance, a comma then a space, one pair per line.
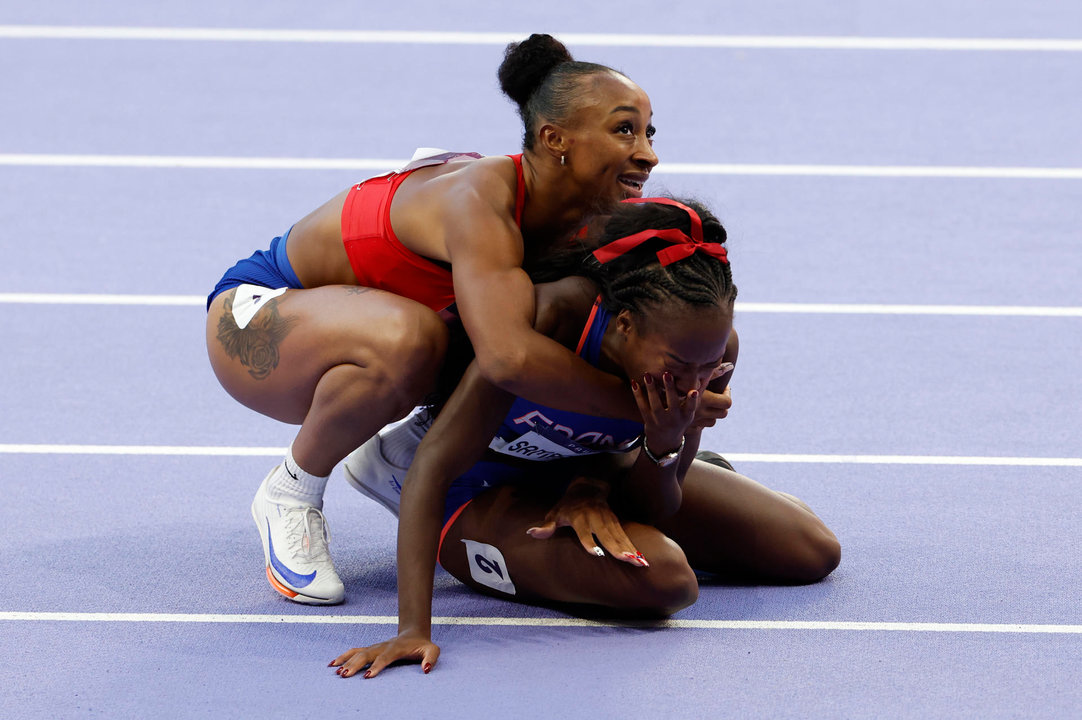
682, 245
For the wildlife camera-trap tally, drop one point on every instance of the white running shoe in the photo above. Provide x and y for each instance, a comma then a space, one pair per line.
372, 474
295, 549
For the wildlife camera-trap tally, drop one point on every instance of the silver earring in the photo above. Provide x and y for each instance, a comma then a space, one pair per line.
563, 159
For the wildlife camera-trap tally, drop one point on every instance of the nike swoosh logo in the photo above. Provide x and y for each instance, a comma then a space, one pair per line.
290, 472
295, 579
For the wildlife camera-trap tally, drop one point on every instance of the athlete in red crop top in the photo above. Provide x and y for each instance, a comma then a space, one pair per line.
378, 257
342, 359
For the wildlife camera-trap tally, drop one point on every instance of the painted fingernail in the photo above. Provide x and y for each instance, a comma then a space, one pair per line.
598, 551
648, 379
667, 377
693, 394
427, 668
367, 674
641, 559
634, 386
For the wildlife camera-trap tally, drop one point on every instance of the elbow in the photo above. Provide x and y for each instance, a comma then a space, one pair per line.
505, 368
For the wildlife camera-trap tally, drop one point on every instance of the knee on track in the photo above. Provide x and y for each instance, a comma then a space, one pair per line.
667, 586
816, 554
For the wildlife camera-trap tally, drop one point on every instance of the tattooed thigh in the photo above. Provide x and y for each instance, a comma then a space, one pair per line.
255, 342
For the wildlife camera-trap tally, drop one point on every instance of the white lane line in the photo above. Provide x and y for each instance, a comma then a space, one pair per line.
834, 459
744, 307
870, 171
903, 460
213, 162
874, 309
762, 42
202, 451
92, 299
859, 626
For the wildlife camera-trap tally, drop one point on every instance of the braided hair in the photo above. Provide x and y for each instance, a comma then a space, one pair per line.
634, 279
637, 278
540, 76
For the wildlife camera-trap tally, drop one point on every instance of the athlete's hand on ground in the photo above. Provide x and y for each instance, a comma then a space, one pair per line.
406, 646
585, 509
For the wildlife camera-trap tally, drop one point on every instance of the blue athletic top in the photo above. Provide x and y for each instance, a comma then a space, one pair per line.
536, 432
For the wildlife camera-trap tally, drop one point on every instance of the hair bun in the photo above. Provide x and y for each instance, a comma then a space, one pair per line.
526, 64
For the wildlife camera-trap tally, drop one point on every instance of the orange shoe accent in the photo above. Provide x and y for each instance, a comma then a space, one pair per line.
279, 586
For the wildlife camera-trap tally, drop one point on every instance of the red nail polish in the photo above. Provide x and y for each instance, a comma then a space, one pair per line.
634, 386
427, 668
648, 379
667, 377
367, 674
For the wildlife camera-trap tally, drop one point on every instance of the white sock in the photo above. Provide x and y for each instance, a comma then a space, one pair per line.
399, 442
291, 483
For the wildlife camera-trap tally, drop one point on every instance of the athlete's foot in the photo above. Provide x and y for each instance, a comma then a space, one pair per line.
295, 550
372, 473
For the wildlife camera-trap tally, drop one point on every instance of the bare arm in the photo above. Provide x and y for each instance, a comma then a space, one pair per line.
496, 303
455, 442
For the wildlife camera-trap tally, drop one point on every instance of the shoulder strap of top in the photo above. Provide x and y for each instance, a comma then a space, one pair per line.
520, 189
592, 335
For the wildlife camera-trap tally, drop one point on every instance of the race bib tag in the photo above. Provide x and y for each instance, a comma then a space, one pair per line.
542, 443
531, 446
487, 567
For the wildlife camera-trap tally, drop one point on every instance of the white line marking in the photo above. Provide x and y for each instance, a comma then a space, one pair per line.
903, 460
215, 451
873, 309
744, 307
201, 162
861, 626
91, 299
212, 451
881, 171
383, 164
761, 42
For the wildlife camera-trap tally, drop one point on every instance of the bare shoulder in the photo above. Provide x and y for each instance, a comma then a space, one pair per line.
563, 307
443, 208
488, 182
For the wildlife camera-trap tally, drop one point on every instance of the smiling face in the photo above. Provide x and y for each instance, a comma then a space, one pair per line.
686, 340
609, 145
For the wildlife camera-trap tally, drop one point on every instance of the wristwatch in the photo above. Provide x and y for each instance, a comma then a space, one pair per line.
665, 460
